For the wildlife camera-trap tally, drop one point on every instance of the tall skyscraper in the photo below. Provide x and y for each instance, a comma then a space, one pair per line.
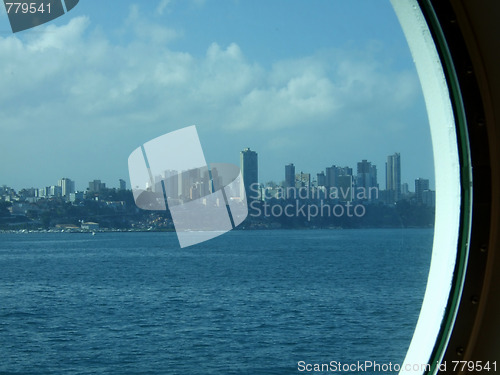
171, 183
344, 184
123, 184
67, 186
188, 180
289, 176
250, 171
393, 177
366, 177
421, 185
405, 190
321, 179
429, 198
332, 175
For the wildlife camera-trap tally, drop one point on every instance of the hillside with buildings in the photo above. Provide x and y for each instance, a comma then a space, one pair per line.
334, 198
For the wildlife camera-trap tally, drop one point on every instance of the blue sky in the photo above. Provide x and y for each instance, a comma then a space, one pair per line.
313, 83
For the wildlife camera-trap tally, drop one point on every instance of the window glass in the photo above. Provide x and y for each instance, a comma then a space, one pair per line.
291, 227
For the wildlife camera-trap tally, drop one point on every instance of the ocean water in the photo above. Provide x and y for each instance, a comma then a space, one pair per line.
247, 302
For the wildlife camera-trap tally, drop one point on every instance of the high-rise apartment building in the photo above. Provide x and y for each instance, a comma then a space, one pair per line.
250, 171
67, 186
96, 186
187, 181
344, 184
366, 177
393, 177
55, 191
345, 171
171, 183
321, 179
331, 176
405, 190
421, 185
289, 176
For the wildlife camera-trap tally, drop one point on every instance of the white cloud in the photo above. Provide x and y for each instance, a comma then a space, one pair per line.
70, 66
73, 77
303, 99
163, 4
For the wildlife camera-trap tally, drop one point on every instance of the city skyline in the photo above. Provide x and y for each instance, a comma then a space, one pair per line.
366, 176
312, 84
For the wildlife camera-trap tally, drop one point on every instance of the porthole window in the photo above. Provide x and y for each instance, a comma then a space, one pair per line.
224, 187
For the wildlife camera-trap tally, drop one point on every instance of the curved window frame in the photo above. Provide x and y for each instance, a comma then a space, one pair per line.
449, 197
450, 331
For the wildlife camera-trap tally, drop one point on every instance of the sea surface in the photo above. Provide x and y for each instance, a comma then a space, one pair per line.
247, 302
